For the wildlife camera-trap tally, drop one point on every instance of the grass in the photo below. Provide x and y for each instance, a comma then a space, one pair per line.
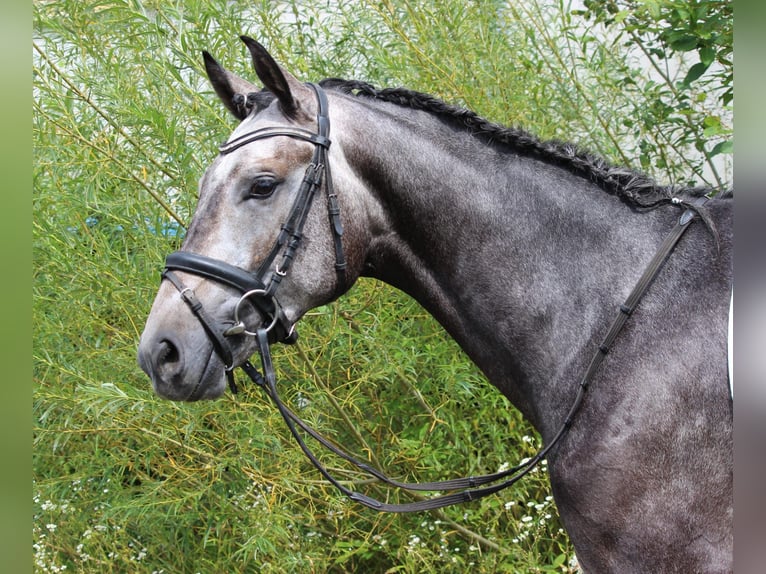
123, 126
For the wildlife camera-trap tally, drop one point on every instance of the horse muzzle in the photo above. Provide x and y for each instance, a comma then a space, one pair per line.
179, 369
185, 365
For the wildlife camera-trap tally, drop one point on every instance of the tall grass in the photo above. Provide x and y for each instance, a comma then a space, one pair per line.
124, 124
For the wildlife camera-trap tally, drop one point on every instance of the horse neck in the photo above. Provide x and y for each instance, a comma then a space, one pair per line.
505, 251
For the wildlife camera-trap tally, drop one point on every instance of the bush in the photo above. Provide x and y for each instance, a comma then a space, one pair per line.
124, 124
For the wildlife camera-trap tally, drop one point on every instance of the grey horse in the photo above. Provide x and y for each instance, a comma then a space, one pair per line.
523, 250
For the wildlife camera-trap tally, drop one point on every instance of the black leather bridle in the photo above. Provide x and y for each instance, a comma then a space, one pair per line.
260, 288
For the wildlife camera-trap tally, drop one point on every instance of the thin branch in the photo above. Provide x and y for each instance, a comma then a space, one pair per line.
671, 86
89, 143
562, 66
85, 98
330, 397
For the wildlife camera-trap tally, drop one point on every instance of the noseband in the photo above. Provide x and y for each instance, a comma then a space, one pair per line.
259, 288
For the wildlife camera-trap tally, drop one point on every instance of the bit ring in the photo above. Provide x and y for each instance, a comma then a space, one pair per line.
239, 323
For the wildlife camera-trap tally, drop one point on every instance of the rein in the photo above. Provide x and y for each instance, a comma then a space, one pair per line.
261, 293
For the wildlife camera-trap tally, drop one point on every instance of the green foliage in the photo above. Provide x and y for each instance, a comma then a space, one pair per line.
123, 126
689, 97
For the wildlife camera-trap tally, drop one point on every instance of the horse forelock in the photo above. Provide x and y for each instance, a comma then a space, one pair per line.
632, 186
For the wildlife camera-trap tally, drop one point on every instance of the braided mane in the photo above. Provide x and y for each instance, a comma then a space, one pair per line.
634, 188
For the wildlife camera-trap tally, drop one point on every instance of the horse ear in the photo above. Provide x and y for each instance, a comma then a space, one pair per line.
288, 89
231, 89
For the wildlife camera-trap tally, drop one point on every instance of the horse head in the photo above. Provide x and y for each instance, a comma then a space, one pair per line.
253, 223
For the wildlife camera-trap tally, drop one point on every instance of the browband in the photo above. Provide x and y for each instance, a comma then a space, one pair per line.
250, 137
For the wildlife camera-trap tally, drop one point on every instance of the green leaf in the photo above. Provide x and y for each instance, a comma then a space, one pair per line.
711, 121
683, 43
653, 7
711, 131
726, 146
694, 73
707, 55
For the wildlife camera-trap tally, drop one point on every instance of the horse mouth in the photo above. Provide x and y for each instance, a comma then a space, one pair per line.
203, 383
211, 383
180, 374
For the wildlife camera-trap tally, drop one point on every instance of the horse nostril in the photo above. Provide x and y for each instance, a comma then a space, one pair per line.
168, 353
161, 356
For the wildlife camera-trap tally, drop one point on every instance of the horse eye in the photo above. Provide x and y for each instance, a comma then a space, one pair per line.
262, 187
